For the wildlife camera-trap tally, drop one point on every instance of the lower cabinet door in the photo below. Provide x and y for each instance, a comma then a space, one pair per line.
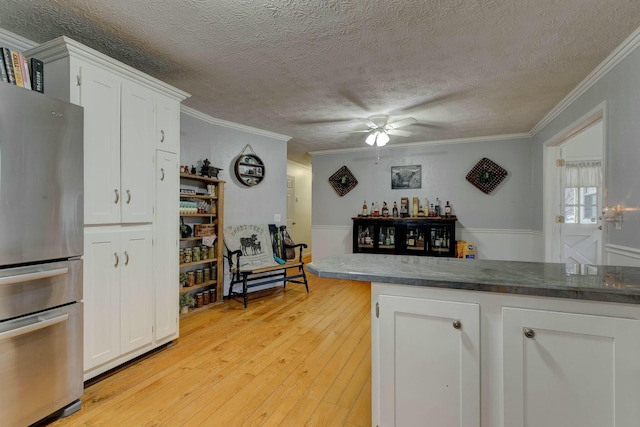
136, 303
101, 296
563, 369
429, 353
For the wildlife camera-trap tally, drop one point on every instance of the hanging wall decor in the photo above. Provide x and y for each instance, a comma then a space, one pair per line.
249, 168
343, 181
486, 175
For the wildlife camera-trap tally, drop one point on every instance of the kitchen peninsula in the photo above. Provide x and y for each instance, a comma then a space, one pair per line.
499, 343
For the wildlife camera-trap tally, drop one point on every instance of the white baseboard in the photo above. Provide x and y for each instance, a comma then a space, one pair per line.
496, 244
621, 255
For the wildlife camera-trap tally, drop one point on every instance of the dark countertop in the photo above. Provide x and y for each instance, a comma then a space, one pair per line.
582, 282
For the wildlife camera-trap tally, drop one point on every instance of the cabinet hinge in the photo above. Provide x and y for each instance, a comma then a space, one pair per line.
377, 310
560, 162
78, 80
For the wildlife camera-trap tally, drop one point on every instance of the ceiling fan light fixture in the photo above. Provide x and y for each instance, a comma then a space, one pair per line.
371, 138
382, 139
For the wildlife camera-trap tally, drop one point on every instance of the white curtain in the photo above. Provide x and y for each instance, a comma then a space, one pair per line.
583, 174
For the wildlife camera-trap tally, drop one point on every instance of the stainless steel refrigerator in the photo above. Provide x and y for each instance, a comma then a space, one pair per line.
41, 244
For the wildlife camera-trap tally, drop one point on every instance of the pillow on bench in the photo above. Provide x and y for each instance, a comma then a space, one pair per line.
254, 241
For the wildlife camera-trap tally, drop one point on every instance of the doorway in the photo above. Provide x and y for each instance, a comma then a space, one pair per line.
574, 190
291, 206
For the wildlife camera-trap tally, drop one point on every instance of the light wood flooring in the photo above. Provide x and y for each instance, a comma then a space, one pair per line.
289, 359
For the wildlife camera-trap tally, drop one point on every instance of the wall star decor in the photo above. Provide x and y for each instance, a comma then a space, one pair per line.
486, 175
343, 181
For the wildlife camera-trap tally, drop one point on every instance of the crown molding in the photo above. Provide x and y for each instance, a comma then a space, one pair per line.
427, 143
15, 41
614, 58
231, 125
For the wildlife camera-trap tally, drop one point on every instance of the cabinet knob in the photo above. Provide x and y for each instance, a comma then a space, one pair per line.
128, 196
117, 196
529, 333
162, 135
457, 324
115, 254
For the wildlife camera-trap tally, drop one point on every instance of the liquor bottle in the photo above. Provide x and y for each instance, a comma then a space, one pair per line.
437, 207
411, 240
385, 209
416, 202
395, 210
365, 211
432, 211
447, 210
420, 210
381, 238
374, 210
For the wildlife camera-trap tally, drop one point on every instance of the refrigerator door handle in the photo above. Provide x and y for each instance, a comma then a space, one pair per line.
41, 324
34, 276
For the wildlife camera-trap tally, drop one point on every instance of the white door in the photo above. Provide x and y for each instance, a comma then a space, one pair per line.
136, 288
291, 206
137, 153
565, 370
101, 296
429, 364
166, 246
167, 124
577, 237
99, 94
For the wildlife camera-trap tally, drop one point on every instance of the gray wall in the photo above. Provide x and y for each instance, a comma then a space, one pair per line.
221, 145
620, 90
444, 168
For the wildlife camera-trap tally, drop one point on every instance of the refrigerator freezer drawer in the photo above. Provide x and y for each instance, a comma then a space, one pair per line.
39, 359
32, 288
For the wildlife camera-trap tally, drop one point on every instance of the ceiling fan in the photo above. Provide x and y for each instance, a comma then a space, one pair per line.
379, 134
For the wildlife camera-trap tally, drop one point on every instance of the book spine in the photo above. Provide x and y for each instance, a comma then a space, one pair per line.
17, 68
37, 75
8, 64
26, 77
3, 71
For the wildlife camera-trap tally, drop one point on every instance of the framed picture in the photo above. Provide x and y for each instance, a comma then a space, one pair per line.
343, 181
406, 177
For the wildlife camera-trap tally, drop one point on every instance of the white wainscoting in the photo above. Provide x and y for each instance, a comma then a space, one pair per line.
621, 255
495, 244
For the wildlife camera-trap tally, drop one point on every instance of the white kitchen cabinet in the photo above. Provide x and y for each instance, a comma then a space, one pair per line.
167, 135
99, 94
124, 111
118, 292
581, 367
429, 362
564, 369
137, 152
166, 234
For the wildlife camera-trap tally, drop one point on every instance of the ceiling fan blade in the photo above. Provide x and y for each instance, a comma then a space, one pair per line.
369, 123
356, 131
400, 123
398, 132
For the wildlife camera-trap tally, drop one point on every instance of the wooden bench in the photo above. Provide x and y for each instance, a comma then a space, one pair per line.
291, 271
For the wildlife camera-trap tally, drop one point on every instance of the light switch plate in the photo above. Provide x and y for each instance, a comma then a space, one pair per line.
277, 218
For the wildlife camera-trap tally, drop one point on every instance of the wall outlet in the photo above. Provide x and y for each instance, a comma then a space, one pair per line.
277, 218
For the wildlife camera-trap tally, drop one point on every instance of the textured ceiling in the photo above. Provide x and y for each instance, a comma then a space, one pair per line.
309, 68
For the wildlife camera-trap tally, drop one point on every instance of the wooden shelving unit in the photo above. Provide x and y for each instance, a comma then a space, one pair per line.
215, 218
